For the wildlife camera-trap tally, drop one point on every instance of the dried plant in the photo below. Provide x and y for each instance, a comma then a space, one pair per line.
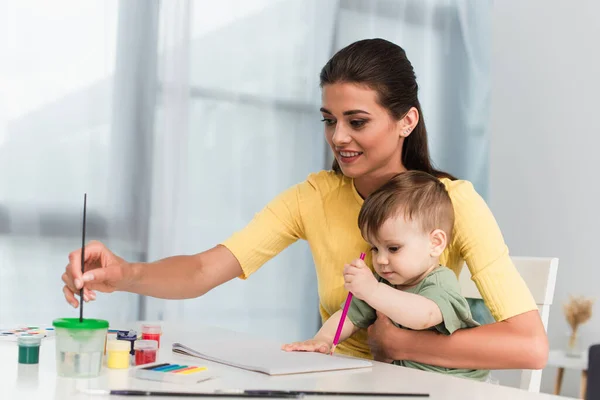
578, 310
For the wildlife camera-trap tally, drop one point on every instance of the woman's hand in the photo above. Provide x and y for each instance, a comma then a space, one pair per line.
379, 336
314, 345
104, 272
359, 279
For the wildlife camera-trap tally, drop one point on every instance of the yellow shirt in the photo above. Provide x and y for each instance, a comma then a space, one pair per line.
323, 210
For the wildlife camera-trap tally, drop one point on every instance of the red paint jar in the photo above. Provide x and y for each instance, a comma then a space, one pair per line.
151, 332
145, 351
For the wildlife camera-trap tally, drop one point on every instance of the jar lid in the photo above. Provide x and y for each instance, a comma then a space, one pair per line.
127, 335
118, 345
151, 328
29, 340
145, 345
87, 323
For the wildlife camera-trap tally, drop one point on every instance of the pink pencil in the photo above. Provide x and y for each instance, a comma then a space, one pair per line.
344, 313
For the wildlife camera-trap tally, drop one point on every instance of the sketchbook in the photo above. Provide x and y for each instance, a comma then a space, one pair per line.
267, 357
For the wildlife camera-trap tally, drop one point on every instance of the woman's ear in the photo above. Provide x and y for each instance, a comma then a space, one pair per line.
438, 241
409, 122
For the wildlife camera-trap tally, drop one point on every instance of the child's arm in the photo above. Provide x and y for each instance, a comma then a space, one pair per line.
323, 340
329, 328
407, 309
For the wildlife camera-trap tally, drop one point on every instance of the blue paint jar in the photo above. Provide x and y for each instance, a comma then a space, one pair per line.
130, 336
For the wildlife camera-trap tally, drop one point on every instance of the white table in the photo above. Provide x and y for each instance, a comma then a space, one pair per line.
40, 381
558, 359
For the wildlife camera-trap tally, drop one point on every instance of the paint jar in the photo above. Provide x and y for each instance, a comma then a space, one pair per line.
145, 351
79, 346
29, 349
118, 354
151, 332
111, 335
129, 336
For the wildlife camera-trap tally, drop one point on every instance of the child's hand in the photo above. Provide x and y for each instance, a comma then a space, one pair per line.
359, 280
314, 345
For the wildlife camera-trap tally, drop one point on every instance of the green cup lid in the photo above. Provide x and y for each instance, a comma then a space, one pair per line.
73, 323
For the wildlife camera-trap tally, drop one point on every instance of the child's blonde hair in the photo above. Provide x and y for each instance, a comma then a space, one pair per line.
415, 195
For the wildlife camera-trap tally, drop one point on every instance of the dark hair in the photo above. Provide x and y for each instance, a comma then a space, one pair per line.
415, 195
383, 66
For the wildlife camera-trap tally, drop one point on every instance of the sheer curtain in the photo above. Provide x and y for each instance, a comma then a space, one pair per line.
167, 224
56, 121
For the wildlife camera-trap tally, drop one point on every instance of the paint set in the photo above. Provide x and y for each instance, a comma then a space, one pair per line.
36, 331
123, 348
83, 346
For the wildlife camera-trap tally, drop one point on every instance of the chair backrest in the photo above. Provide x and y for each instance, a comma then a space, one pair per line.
539, 274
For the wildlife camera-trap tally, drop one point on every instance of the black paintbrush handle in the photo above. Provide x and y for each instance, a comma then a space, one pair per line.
267, 393
82, 257
197, 394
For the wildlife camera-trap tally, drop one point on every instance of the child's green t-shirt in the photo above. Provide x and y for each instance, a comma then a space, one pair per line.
441, 287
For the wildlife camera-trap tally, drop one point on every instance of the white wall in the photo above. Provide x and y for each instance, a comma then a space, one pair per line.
545, 138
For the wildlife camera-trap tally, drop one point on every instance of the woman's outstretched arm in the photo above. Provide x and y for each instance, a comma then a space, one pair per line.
178, 277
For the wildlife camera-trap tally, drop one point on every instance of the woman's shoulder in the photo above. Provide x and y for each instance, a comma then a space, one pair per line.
461, 191
315, 188
326, 181
472, 215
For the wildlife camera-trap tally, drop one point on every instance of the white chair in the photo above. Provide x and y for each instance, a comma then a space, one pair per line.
539, 275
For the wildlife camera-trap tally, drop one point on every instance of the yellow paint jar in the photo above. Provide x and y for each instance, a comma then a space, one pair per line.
118, 354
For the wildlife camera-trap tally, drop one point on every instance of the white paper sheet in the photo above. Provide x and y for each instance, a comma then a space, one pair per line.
267, 357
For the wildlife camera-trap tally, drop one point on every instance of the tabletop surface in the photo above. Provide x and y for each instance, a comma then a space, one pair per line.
40, 381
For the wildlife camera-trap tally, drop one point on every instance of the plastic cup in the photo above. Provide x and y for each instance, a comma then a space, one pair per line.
79, 346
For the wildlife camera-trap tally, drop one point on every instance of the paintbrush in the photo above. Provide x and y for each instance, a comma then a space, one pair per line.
82, 257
